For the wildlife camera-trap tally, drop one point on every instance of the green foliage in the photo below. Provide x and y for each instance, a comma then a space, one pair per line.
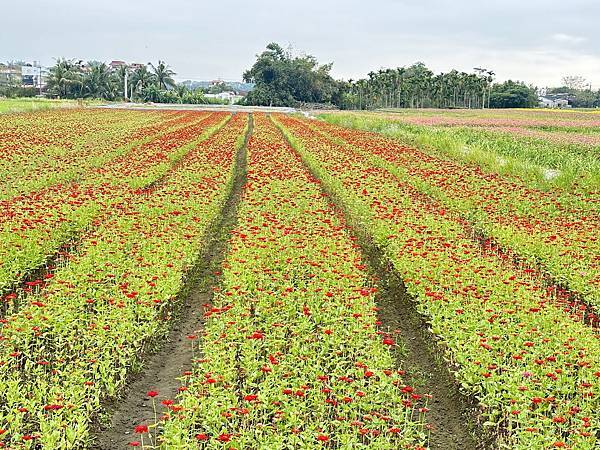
513, 94
416, 86
579, 98
17, 91
285, 80
94, 79
163, 75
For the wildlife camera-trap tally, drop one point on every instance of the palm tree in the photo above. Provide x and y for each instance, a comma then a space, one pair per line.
182, 92
97, 81
63, 77
164, 75
140, 79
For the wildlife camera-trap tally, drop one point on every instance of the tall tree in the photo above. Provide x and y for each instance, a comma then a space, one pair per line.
64, 78
282, 79
141, 78
513, 94
163, 75
97, 82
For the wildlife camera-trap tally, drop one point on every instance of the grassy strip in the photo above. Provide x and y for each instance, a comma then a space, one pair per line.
20, 105
541, 164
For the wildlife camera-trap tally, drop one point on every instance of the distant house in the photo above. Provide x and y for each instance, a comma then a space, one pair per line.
115, 65
554, 101
23, 74
230, 97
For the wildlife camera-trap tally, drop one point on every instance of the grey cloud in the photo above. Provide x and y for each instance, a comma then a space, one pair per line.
535, 40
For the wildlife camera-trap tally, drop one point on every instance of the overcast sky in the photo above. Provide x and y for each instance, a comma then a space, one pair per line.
537, 41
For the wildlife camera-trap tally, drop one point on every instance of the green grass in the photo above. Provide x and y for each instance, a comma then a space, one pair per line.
14, 105
539, 162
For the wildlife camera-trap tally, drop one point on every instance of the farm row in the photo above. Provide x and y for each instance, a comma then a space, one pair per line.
97, 255
548, 149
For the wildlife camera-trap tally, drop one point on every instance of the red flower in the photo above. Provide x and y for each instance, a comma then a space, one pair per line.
256, 335
152, 394
224, 437
141, 429
202, 437
134, 444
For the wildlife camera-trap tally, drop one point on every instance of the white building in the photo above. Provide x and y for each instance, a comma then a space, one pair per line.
546, 102
230, 97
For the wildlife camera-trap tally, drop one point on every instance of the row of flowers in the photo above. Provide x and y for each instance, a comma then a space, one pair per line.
59, 146
34, 225
292, 356
539, 159
556, 230
534, 371
72, 345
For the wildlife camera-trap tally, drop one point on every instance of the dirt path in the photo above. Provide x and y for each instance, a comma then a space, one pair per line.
451, 416
175, 356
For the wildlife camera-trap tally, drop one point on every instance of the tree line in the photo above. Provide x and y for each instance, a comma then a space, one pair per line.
70, 78
282, 79
417, 86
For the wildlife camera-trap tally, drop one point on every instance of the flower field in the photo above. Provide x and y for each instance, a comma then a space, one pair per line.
547, 149
107, 216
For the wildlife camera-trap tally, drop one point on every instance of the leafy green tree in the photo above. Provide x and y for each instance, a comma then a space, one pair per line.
282, 79
513, 94
65, 78
98, 82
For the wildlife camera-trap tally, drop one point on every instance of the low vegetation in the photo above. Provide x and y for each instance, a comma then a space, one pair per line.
107, 216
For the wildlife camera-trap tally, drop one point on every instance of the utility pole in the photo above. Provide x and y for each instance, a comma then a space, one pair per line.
125, 78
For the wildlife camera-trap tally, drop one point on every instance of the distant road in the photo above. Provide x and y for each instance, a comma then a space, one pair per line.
186, 107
